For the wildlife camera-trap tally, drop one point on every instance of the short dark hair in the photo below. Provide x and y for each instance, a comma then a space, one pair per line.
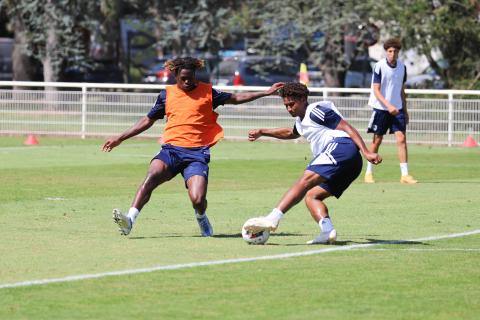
177, 64
392, 43
295, 90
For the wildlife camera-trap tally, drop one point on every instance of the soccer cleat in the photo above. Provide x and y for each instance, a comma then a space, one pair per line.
256, 225
327, 237
369, 178
407, 180
205, 226
124, 223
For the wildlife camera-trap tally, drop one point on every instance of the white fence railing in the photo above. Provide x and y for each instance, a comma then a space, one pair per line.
443, 117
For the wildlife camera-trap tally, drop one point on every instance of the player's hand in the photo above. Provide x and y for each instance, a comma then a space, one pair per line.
254, 134
373, 157
393, 111
274, 88
110, 144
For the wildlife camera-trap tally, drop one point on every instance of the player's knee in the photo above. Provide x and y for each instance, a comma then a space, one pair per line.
198, 200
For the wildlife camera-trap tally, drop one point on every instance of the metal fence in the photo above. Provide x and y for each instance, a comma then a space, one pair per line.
444, 117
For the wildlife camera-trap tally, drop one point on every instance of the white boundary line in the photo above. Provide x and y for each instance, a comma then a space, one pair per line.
226, 261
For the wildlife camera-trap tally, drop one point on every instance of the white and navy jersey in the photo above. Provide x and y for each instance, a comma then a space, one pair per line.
391, 80
318, 125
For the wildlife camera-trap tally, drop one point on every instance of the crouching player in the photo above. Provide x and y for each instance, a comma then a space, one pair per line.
336, 163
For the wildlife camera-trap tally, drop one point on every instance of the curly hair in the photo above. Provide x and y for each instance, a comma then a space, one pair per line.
295, 90
392, 43
177, 64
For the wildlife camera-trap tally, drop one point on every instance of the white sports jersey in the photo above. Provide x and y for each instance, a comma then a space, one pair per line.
391, 83
318, 125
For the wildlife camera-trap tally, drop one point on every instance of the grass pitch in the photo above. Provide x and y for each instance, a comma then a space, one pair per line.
56, 201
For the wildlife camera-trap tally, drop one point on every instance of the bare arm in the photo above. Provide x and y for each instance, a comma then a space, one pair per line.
404, 104
391, 108
142, 125
242, 97
279, 133
357, 139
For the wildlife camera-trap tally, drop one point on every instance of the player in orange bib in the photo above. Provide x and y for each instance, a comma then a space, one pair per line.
190, 131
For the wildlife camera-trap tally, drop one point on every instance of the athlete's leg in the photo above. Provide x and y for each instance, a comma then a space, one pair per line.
314, 201
401, 138
197, 191
296, 193
157, 174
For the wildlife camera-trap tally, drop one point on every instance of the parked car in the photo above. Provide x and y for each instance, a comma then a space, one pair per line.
100, 72
428, 79
359, 74
158, 74
6, 49
255, 71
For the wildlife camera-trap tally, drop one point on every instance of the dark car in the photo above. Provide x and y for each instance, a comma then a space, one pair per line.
255, 71
99, 72
359, 74
158, 74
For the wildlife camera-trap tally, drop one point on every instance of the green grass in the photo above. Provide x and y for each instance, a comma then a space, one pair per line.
55, 208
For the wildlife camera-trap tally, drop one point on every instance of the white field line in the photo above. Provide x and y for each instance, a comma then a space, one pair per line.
227, 261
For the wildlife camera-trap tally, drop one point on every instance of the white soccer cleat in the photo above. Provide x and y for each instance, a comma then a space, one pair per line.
124, 223
255, 225
327, 237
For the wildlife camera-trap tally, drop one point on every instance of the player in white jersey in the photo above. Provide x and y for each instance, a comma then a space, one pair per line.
336, 163
389, 104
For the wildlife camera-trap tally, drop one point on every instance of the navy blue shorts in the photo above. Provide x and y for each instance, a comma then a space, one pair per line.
187, 161
382, 120
339, 163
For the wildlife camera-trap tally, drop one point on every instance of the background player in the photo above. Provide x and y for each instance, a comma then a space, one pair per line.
336, 163
190, 131
389, 104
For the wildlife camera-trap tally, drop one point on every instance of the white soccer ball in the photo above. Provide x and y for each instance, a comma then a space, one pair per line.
260, 237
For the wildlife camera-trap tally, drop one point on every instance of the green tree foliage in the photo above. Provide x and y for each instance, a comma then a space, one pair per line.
311, 30
452, 27
185, 26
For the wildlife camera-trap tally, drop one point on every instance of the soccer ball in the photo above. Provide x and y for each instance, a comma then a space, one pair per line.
260, 237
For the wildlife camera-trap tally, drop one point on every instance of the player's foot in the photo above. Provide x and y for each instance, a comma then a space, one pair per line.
124, 223
369, 178
407, 180
258, 224
327, 237
205, 226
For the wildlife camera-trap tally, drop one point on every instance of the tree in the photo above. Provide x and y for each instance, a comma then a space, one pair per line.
53, 31
452, 27
312, 30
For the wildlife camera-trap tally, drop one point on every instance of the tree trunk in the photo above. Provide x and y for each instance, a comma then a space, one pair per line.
23, 67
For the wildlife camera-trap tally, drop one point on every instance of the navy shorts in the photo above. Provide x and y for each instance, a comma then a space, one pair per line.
187, 161
382, 120
340, 163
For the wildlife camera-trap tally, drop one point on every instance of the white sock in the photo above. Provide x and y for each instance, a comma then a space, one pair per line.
275, 216
369, 167
133, 214
404, 169
325, 224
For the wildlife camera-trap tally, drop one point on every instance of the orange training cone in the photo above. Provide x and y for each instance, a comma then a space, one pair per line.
303, 75
31, 140
470, 142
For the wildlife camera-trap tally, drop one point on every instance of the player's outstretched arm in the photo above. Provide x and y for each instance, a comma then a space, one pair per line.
279, 133
242, 97
142, 125
357, 139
